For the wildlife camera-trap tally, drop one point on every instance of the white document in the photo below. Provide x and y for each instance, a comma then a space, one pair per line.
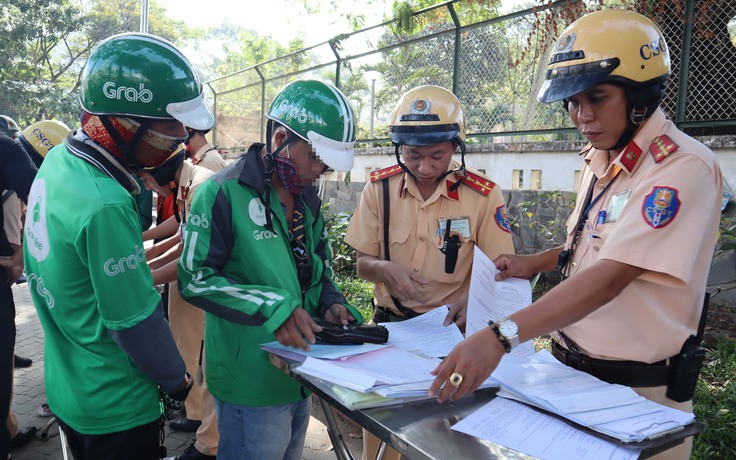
328, 371
392, 366
319, 350
489, 299
559, 388
615, 410
425, 334
526, 430
417, 389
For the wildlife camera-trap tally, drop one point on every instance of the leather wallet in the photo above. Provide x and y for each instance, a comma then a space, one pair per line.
335, 334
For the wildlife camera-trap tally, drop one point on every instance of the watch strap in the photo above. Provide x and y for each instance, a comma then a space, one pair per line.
501, 338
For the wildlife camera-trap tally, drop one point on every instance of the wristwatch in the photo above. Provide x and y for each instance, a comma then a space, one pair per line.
507, 332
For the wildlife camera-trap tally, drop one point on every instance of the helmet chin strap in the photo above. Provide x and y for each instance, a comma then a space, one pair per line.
461, 170
127, 148
641, 102
269, 159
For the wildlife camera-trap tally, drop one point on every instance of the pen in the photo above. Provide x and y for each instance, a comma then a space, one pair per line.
601, 218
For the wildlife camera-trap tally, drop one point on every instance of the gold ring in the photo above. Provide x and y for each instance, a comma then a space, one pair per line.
456, 379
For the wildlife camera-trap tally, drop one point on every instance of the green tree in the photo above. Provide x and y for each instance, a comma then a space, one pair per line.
46, 43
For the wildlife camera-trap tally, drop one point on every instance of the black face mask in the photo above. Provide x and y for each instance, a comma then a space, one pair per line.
165, 173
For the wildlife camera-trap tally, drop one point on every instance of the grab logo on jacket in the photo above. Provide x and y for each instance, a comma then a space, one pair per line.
35, 231
257, 212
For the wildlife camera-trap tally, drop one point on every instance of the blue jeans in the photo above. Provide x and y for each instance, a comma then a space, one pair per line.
263, 433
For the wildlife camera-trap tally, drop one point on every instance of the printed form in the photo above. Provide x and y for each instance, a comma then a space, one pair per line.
489, 299
524, 429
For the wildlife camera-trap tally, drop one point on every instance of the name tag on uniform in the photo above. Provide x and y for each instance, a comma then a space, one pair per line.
616, 205
459, 225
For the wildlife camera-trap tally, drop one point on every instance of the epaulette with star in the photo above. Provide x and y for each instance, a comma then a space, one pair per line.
480, 184
662, 147
385, 173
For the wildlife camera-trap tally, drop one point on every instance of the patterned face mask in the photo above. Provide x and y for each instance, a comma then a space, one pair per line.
162, 143
288, 174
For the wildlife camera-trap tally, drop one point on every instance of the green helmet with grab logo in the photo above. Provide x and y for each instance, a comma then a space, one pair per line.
142, 75
320, 114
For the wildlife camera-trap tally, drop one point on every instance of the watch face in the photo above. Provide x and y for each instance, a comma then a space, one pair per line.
508, 328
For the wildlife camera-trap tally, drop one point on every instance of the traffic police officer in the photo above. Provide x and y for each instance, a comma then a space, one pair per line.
417, 223
640, 239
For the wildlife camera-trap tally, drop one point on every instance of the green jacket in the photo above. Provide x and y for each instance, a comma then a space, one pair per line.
244, 276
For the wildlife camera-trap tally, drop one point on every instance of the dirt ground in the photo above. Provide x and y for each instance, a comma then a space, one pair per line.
350, 431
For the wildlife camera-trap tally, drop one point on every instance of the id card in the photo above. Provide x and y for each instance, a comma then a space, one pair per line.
616, 205
459, 225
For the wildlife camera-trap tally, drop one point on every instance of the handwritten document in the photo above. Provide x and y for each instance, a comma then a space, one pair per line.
526, 430
489, 299
425, 334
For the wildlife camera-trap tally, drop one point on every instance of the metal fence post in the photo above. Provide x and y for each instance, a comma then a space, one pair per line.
338, 63
456, 56
263, 102
687, 35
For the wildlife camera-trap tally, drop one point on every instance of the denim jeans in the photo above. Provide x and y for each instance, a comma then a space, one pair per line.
263, 433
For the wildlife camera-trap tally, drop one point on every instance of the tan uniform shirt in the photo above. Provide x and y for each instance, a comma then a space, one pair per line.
660, 216
208, 157
190, 178
416, 233
12, 210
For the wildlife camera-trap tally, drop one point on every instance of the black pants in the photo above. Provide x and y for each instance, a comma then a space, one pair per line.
139, 443
7, 342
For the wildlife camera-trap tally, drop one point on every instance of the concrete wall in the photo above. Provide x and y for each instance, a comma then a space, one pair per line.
537, 216
558, 162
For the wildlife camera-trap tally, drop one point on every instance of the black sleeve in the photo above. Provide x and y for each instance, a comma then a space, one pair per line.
16, 168
165, 366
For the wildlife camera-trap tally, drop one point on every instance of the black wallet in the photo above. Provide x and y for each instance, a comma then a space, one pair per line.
353, 334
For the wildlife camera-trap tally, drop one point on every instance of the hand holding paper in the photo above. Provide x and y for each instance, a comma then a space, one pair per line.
477, 356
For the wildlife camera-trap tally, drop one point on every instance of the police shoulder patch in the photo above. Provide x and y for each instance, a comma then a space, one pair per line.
660, 207
385, 172
502, 218
477, 182
661, 147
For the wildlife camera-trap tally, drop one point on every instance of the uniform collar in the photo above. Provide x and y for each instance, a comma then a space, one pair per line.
631, 156
197, 157
408, 184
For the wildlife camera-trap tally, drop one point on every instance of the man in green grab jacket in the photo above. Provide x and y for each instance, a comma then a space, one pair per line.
256, 258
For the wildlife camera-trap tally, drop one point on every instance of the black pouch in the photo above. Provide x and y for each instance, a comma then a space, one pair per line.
685, 371
335, 334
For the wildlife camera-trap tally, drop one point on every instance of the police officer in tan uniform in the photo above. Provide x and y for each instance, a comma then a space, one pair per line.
640, 239
187, 321
417, 223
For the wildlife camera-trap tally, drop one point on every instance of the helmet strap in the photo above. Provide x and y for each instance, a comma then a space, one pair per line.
126, 148
401, 163
269, 160
641, 102
461, 171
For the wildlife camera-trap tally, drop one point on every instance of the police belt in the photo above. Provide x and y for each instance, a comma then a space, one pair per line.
386, 315
627, 373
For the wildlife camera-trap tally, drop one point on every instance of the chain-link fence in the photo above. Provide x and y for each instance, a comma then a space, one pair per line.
494, 65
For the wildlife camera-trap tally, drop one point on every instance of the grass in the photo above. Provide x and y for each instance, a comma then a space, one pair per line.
715, 404
715, 395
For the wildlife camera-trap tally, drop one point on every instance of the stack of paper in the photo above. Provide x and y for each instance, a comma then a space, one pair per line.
614, 410
399, 370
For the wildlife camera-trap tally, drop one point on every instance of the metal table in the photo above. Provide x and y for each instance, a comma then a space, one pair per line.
422, 430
